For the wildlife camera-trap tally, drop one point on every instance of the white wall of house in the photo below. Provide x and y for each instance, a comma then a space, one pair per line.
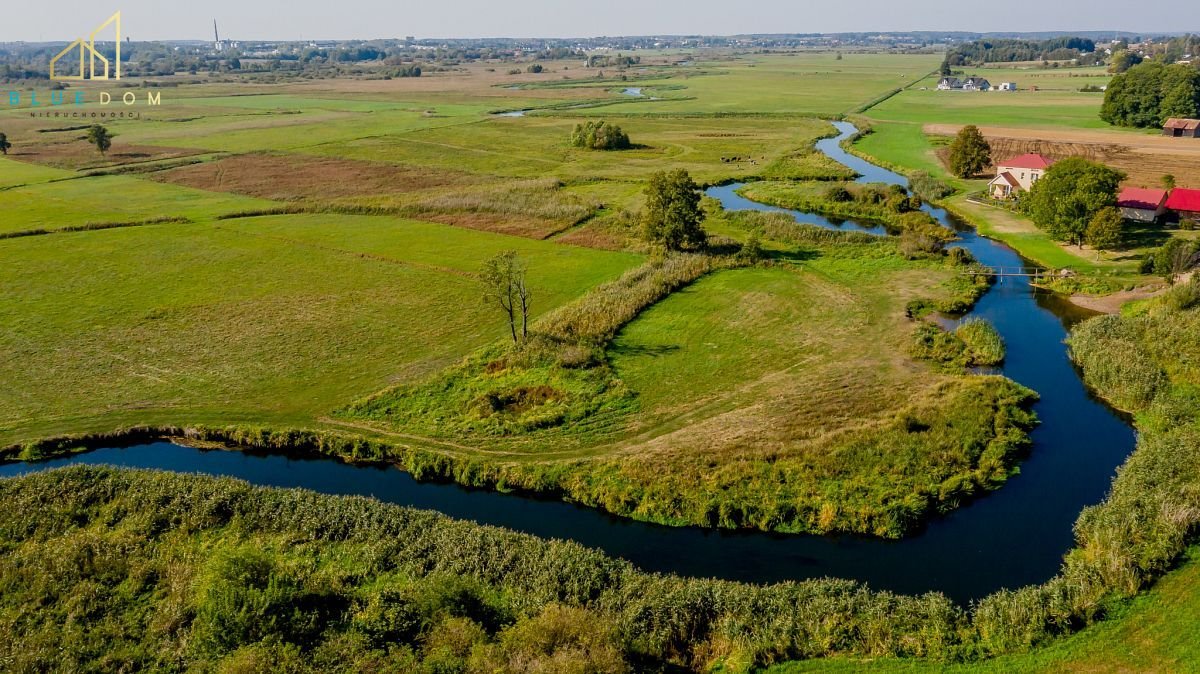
1026, 177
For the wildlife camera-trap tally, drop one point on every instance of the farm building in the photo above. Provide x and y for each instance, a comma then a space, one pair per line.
949, 83
1185, 203
1182, 128
976, 84
1142, 205
1017, 175
1006, 86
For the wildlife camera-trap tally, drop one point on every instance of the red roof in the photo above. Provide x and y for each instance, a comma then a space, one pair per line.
1184, 200
1141, 198
1027, 161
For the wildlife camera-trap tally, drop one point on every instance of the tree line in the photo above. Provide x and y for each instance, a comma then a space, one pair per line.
1148, 94
980, 52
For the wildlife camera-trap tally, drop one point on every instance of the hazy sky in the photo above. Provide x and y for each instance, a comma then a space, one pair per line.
312, 19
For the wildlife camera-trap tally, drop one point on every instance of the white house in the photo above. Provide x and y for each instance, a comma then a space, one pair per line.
1006, 86
1018, 175
949, 83
976, 84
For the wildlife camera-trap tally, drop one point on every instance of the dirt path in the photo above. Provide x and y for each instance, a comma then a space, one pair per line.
1111, 304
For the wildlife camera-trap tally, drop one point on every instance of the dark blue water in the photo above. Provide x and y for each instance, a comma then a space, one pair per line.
1008, 539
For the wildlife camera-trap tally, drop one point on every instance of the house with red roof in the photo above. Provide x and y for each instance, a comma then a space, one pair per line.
1018, 175
1185, 203
1141, 204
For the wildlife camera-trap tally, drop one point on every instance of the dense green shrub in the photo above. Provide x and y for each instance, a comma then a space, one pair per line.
599, 135
929, 188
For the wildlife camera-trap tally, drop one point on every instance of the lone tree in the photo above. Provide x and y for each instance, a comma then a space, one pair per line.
1104, 232
1069, 196
504, 286
100, 137
1168, 181
4, 144
970, 152
672, 216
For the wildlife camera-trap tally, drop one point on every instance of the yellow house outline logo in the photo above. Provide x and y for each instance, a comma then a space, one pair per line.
88, 47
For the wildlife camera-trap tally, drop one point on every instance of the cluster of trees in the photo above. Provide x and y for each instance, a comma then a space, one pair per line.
980, 52
407, 71
612, 61
600, 135
1150, 93
970, 152
1076, 202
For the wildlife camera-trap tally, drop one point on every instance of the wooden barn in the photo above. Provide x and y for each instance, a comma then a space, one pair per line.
1185, 203
1182, 128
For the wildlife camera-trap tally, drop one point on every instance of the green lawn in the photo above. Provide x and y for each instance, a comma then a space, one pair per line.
1056, 103
805, 83
273, 320
110, 199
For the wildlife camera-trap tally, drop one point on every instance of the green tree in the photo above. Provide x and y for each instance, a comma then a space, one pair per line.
1105, 231
1071, 193
970, 152
1168, 181
672, 216
600, 135
4, 144
1123, 60
1149, 93
100, 137
504, 286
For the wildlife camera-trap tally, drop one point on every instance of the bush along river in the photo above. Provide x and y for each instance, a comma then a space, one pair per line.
1010, 538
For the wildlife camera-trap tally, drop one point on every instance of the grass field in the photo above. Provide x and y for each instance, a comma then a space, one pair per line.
270, 320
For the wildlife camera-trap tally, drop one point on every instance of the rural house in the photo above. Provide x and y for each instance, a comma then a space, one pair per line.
1142, 205
1182, 128
1007, 86
1017, 175
1185, 203
949, 83
976, 84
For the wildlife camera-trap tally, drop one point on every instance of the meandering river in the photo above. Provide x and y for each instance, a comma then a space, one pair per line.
1010, 538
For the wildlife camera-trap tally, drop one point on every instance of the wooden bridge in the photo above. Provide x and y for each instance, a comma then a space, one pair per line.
1021, 272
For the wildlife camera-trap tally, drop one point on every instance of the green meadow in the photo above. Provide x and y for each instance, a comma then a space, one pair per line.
307, 256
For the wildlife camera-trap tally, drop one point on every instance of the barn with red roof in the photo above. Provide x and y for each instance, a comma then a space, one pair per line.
1141, 204
1185, 202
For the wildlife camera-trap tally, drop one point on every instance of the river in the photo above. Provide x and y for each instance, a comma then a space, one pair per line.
1013, 537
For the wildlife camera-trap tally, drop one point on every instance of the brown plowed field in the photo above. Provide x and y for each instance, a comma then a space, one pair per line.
1145, 158
296, 177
